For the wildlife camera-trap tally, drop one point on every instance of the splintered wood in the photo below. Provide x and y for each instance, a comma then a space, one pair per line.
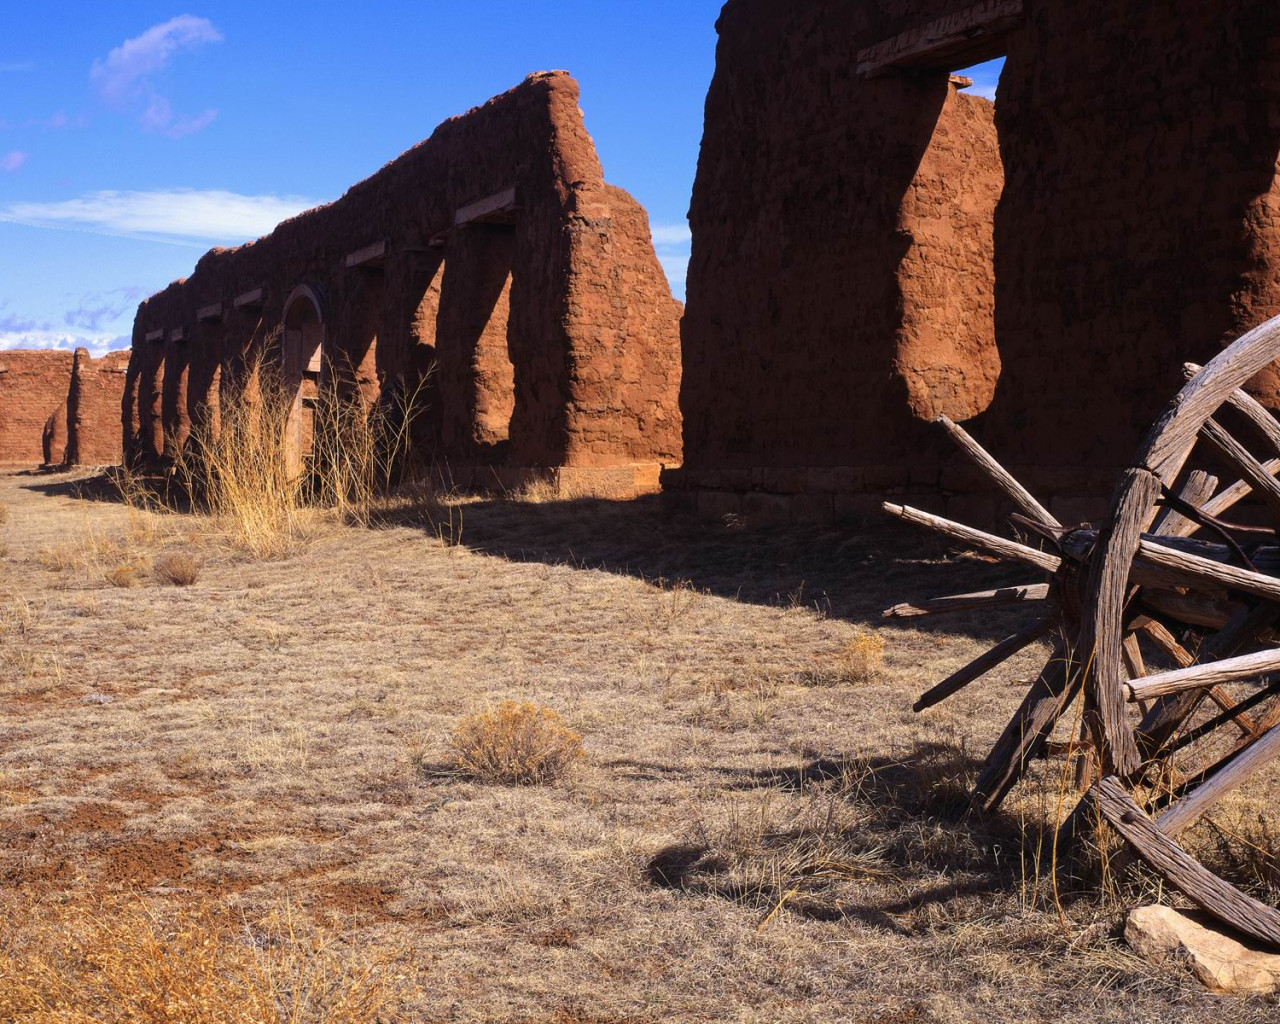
1161, 619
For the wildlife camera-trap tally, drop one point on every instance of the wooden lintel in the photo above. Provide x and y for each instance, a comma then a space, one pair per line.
246, 300
497, 207
967, 36
208, 313
154, 336
178, 334
438, 241
374, 255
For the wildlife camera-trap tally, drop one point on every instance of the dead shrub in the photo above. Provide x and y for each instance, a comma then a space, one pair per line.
140, 963
4, 513
862, 657
515, 744
857, 662
123, 576
177, 568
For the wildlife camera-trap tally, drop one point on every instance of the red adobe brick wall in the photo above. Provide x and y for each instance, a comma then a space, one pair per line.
547, 336
33, 387
93, 408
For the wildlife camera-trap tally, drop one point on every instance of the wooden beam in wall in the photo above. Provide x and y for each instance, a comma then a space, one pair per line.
497, 207
208, 313
178, 334
246, 300
968, 36
374, 255
155, 336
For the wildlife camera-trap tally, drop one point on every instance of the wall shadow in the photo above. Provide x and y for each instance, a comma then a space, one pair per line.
849, 569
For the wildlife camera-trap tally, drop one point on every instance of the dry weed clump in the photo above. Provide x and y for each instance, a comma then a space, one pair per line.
858, 662
128, 961
4, 514
249, 472
179, 568
123, 576
515, 744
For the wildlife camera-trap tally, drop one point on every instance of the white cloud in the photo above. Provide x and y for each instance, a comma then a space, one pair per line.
671, 242
671, 234
97, 344
163, 215
124, 78
12, 160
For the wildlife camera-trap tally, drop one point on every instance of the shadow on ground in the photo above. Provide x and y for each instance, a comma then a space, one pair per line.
850, 569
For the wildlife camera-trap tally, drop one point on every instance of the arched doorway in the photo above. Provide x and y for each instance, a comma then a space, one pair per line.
302, 368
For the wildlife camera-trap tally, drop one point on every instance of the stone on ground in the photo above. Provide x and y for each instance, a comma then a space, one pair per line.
1220, 962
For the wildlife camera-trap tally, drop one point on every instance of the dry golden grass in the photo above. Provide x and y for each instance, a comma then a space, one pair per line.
737, 844
515, 744
121, 960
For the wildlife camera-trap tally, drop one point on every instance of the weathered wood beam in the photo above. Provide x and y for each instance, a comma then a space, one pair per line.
1204, 888
1027, 592
997, 474
1007, 549
1101, 634
1026, 735
1200, 677
984, 663
1196, 490
1252, 410
976, 32
1232, 452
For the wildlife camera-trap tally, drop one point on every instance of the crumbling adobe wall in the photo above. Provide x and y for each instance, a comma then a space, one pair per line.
53, 439
93, 408
840, 286
847, 270
33, 387
1139, 226
539, 328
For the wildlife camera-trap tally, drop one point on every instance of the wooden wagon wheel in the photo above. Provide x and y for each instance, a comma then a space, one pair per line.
1166, 573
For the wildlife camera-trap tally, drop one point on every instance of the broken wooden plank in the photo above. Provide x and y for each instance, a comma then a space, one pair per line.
1199, 677
1027, 592
1198, 488
997, 474
1027, 733
1008, 549
983, 664
1232, 452
1221, 899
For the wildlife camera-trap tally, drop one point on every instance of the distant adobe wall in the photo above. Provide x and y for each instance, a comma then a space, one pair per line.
840, 291
33, 387
93, 408
865, 256
490, 265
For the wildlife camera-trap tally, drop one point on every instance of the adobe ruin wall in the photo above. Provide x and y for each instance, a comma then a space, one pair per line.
491, 266
872, 246
33, 388
93, 407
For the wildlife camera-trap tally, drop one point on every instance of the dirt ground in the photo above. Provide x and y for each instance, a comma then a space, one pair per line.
760, 832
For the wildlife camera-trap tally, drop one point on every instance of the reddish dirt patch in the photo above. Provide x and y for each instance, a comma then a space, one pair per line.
144, 862
94, 817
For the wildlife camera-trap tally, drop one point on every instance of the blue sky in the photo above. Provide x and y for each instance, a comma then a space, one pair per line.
133, 136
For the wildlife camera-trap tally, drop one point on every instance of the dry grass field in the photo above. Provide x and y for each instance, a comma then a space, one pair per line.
227, 790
